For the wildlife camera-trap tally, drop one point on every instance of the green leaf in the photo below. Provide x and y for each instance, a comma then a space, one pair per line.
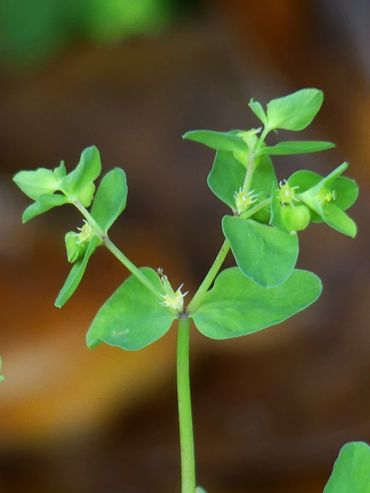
351, 471
257, 109
76, 274
237, 306
295, 111
297, 147
304, 180
110, 199
263, 180
80, 182
220, 141
36, 183
227, 177
338, 220
60, 172
346, 192
1, 365
43, 204
133, 317
264, 253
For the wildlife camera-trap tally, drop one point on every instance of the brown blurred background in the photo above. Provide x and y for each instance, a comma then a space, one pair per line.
271, 410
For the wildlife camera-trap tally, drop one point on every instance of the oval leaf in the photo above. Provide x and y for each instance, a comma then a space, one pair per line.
297, 147
351, 471
220, 141
110, 199
133, 317
295, 111
237, 306
76, 273
265, 254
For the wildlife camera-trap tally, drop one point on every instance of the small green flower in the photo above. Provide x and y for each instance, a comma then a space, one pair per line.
171, 299
77, 242
328, 197
244, 200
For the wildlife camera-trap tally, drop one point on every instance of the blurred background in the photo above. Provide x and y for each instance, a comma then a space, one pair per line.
271, 410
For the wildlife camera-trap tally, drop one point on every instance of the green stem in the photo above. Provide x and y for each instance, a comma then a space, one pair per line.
188, 482
114, 249
219, 260
130, 265
208, 280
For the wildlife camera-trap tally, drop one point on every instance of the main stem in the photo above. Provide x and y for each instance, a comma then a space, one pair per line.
188, 482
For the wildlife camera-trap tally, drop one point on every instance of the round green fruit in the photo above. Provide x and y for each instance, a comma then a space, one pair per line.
296, 218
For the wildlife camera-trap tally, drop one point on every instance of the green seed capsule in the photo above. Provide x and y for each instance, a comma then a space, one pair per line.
296, 218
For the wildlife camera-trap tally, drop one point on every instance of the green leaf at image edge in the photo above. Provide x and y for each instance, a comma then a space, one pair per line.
133, 317
237, 306
2, 378
76, 273
351, 471
265, 254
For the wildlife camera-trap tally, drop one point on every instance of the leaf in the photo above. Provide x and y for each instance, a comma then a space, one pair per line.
257, 109
36, 183
80, 182
110, 199
297, 147
346, 192
237, 306
265, 254
338, 220
263, 180
76, 273
60, 172
351, 471
304, 180
44, 203
295, 111
220, 141
1, 376
227, 177
133, 317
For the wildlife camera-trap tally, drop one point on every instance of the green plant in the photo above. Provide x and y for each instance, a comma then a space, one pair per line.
351, 471
261, 230
1, 377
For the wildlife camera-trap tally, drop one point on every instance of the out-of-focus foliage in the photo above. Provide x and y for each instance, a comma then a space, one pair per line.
31, 32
